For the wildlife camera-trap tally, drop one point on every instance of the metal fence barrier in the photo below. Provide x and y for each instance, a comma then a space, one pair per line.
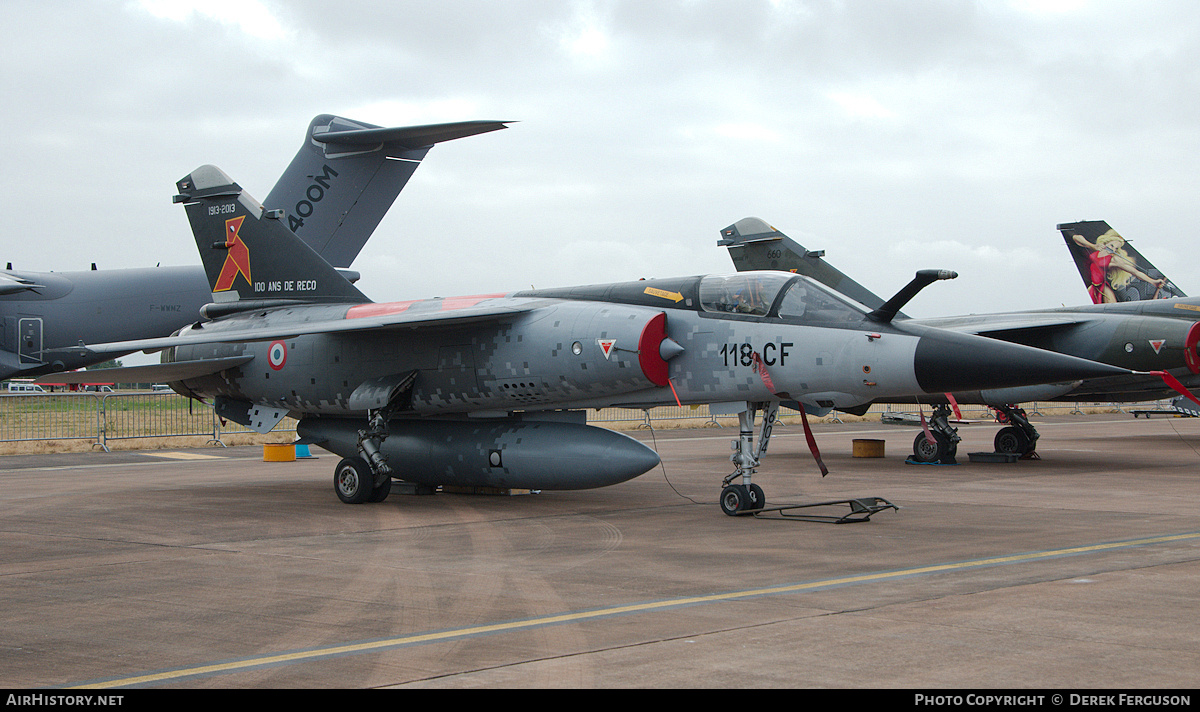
50, 417
106, 417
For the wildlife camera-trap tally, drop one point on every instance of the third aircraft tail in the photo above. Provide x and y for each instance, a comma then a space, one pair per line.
1111, 269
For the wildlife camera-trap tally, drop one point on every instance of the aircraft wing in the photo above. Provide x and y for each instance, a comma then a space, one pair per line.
149, 372
411, 137
993, 325
361, 318
11, 284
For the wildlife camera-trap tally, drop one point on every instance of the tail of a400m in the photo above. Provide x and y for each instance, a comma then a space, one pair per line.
347, 174
250, 255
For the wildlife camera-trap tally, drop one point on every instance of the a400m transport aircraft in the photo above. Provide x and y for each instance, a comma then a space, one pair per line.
336, 190
491, 390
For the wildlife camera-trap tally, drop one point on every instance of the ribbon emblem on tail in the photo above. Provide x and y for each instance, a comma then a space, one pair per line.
237, 261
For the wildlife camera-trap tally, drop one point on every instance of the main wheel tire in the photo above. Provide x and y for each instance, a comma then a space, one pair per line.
734, 499
925, 451
353, 480
1011, 441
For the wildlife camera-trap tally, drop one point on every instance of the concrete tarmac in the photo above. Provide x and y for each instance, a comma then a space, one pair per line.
213, 569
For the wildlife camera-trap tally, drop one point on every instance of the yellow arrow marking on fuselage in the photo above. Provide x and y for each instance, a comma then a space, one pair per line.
673, 296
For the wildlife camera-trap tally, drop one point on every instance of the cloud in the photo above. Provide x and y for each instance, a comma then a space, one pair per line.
643, 128
861, 106
251, 17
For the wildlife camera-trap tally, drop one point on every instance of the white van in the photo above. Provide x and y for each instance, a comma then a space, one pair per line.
160, 387
25, 388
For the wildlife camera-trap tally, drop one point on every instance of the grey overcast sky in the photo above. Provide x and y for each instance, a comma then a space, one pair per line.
894, 134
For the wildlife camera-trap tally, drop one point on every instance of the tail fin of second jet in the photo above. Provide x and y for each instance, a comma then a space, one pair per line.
348, 173
755, 245
248, 252
1112, 270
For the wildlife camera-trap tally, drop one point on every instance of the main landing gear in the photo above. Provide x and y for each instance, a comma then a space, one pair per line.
944, 445
355, 483
1018, 438
368, 478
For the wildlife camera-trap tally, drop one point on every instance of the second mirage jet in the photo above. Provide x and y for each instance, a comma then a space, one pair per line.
1126, 335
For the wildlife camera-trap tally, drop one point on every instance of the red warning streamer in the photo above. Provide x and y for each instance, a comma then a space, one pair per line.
672, 384
954, 405
762, 372
925, 426
812, 442
1174, 383
808, 434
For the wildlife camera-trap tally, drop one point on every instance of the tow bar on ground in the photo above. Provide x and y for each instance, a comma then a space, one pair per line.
861, 509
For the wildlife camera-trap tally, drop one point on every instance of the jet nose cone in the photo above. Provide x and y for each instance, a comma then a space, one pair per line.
949, 361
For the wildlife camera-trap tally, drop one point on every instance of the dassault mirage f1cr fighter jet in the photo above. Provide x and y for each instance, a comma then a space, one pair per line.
491, 390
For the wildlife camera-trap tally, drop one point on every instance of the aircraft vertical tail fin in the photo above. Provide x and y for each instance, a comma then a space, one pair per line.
248, 252
755, 245
346, 176
1112, 270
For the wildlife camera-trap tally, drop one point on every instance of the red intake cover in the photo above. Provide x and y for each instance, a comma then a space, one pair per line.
651, 361
1189, 348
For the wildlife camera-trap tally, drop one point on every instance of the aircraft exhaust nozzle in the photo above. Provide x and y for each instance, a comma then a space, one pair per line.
502, 453
949, 362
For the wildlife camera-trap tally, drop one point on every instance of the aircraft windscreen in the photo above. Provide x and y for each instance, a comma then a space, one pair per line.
743, 293
808, 301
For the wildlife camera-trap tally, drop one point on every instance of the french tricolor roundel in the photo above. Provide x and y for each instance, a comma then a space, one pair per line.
277, 355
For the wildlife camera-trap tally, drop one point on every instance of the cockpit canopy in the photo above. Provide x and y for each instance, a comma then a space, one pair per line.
755, 293
750, 293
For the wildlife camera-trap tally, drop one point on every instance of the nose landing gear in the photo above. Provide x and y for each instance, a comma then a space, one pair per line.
746, 498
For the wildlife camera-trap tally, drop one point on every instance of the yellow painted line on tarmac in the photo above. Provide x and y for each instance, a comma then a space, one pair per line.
183, 455
456, 633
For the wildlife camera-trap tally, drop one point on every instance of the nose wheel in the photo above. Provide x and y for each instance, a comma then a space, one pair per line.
736, 499
745, 496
